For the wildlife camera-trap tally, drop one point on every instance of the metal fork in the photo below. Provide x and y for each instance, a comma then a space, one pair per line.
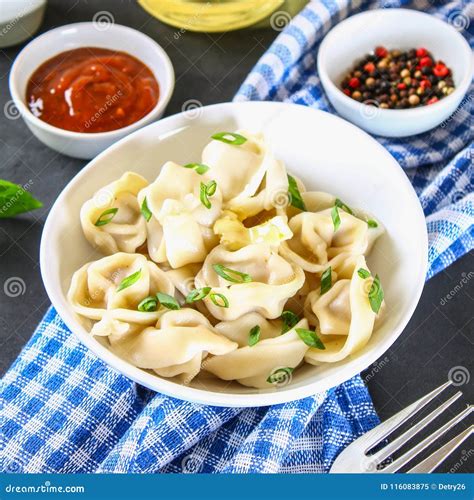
355, 457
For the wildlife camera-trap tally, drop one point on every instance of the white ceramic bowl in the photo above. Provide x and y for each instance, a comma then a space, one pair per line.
19, 20
394, 29
73, 36
328, 154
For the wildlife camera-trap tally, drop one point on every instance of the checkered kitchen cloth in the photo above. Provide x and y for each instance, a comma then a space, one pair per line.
63, 410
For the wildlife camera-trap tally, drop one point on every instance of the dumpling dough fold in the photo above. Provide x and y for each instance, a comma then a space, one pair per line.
251, 366
274, 280
127, 230
344, 314
175, 346
93, 291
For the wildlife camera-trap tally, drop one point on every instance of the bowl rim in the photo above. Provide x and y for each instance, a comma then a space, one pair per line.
459, 91
166, 91
202, 396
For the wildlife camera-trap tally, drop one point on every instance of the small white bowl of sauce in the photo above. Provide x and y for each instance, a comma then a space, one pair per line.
83, 86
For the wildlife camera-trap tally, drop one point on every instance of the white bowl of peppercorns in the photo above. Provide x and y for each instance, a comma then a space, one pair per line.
395, 72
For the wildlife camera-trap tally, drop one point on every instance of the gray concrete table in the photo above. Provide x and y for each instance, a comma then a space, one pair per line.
210, 68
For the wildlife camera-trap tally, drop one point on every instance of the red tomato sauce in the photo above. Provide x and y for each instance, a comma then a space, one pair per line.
92, 90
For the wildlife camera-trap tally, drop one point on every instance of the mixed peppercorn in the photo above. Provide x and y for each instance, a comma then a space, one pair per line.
398, 79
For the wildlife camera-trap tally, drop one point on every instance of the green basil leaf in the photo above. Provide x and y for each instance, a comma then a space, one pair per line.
363, 273
103, 217
197, 294
15, 199
150, 304
326, 280
310, 338
296, 200
290, 319
168, 301
146, 212
229, 138
219, 300
129, 280
376, 295
336, 219
199, 168
226, 273
254, 335
280, 375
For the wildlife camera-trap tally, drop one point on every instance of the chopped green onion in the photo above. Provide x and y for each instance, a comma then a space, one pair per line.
280, 375
149, 304
146, 212
197, 294
376, 295
254, 335
235, 139
226, 272
211, 188
207, 190
129, 280
310, 338
290, 319
296, 200
339, 204
372, 223
219, 300
103, 219
199, 168
326, 280
168, 301
363, 273
336, 220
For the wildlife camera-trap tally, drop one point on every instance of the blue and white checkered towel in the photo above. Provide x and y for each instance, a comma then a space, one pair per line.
63, 410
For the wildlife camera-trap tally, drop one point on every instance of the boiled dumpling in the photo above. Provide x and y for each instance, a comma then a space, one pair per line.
175, 346
111, 219
315, 241
109, 290
344, 315
253, 365
268, 280
180, 227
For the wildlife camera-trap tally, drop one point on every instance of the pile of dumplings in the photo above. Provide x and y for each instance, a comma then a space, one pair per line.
227, 268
